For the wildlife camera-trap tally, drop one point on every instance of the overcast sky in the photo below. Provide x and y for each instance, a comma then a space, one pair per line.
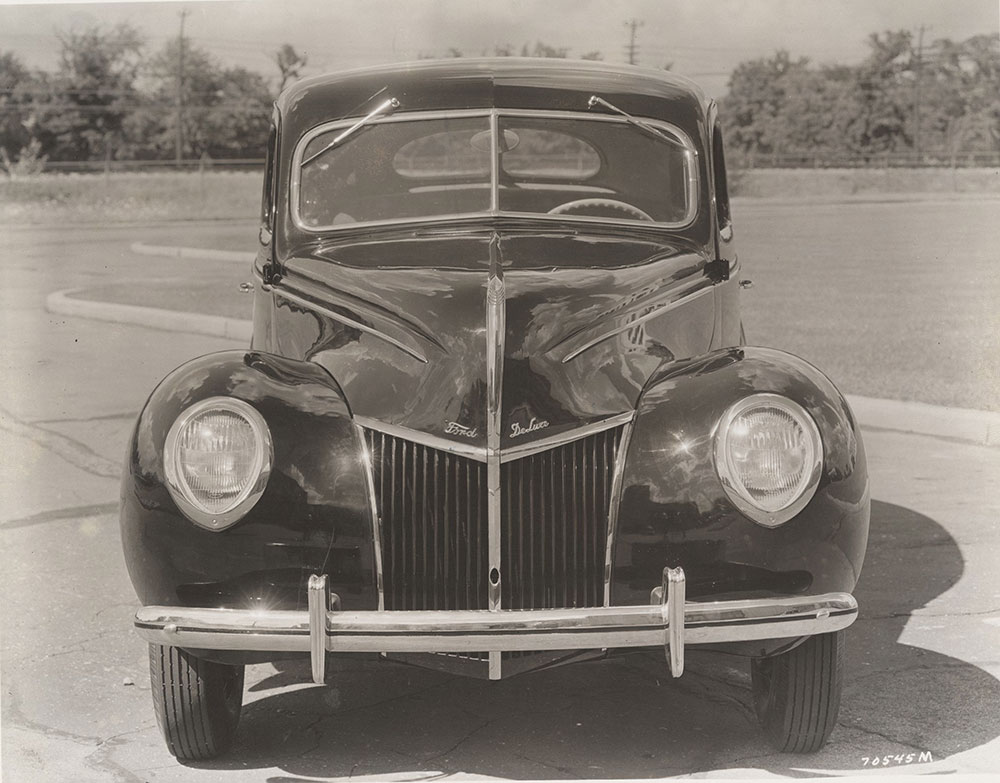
704, 39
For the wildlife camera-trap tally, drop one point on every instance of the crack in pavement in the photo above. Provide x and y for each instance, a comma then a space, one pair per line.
465, 738
74, 452
73, 512
68, 648
563, 770
105, 747
86, 419
13, 714
919, 615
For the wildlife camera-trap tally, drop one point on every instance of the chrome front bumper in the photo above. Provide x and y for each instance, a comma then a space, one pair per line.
669, 621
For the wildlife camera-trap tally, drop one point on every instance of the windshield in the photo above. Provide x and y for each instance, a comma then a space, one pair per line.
414, 168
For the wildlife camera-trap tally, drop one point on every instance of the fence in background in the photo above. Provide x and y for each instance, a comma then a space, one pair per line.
101, 166
888, 160
899, 160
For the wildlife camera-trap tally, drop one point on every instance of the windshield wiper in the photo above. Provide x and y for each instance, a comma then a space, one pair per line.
386, 107
596, 100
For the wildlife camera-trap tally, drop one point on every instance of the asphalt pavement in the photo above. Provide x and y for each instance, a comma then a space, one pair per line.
923, 694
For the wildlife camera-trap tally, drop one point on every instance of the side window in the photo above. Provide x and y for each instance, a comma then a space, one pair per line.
721, 183
267, 196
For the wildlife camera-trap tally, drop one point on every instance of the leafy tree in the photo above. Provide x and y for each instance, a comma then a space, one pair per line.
544, 50
883, 95
959, 95
15, 105
290, 63
942, 99
237, 125
221, 112
815, 112
756, 103
93, 92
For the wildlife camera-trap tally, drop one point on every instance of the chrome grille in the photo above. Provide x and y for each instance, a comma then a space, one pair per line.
435, 535
434, 525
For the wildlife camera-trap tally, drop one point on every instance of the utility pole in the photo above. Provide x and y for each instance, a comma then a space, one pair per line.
179, 134
919, 97
633, 50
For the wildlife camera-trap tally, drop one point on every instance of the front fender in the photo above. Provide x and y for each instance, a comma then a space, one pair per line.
675, 512
314, 516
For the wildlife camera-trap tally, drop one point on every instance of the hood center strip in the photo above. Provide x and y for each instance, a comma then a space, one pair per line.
495, 336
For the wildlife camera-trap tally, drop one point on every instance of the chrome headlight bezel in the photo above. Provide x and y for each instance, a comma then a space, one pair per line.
178, 487
734, 487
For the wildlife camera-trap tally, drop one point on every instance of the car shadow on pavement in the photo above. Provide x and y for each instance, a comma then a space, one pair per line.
625, 717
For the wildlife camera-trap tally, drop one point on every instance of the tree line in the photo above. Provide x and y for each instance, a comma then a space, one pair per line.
109, 99
904, 99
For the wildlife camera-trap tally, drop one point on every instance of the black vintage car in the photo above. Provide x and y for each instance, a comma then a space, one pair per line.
497, 413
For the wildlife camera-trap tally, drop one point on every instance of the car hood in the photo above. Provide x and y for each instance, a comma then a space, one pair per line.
401, 324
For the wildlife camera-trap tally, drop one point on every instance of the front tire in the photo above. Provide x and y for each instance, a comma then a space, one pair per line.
797, 694
197, 702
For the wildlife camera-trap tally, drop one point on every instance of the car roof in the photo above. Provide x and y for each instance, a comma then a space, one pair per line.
497, 83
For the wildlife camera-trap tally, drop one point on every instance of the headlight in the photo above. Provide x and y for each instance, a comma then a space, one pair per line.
217, 459
769, 457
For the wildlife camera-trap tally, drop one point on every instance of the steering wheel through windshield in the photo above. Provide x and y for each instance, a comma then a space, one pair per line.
600, 203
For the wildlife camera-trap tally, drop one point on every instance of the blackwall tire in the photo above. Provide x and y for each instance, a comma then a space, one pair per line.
197, 702
797, 694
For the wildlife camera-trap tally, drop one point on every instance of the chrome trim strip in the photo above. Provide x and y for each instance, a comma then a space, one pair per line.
319, 607
617, 482
561, 439
416, 436
311, 284
470, 217
675, 586
495, 336
368, 468
494, 114
312, 305
494, 164
480, 629
480, 454
686, 298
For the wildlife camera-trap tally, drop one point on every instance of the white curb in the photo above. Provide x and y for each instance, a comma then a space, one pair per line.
203, 253
63, 303
982, 427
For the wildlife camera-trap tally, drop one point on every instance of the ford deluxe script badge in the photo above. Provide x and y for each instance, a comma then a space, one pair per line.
516, 430
454, 428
